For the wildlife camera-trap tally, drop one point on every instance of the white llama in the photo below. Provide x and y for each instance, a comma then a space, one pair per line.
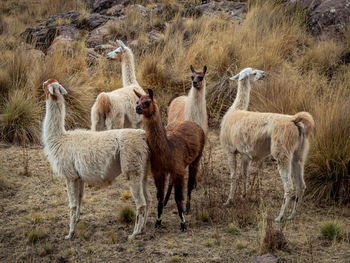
255, 135
192, 107
95, 158
116, 109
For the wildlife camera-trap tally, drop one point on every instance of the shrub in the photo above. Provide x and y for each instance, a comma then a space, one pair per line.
126, 214
330, 230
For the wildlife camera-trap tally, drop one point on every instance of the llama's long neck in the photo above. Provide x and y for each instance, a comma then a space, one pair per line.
196, 109
53, 125
242, 99
156, 137
128, 68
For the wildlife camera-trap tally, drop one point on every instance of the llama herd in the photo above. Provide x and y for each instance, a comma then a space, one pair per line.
117, 145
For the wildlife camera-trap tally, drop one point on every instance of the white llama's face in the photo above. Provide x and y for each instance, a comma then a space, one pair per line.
249, 73
53, 89
115, 54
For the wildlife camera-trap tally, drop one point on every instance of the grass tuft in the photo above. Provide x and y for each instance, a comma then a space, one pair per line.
330, 230
126, 214
36, 235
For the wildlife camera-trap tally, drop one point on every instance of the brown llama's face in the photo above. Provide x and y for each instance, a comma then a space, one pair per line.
198, 77
145, 105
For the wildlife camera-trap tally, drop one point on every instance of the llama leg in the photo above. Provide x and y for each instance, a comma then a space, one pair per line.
168, 193
160, 181
148, 201
136, 190
73, 196
245, 165
232, 164
80, 197
285, 173
192, 182
178, 185
298, 173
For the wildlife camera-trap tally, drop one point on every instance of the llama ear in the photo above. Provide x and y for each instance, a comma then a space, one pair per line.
192, 69
62, 90
204, 69
150, 92
234, 77
50, 88
137, 94
243, 76
121, 44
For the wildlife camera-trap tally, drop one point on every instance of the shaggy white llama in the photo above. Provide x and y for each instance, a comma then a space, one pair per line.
255, 135
192, 107
116, 109
95, 158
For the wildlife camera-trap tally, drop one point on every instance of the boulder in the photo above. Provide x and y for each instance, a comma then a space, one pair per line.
267, 258
327, 17
92, 21
91, 56
60, 44
154, 36
69, 31
102, 6
97, 36
41, 37
34, 54
104, 49
71, 17
116, 10
234, 10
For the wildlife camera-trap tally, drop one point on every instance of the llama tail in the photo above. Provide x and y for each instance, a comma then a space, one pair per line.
99, 112
306, 119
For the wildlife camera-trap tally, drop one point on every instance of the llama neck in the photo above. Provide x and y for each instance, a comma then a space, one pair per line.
242, 99
128, 69
156, 136
196, 109
53, 126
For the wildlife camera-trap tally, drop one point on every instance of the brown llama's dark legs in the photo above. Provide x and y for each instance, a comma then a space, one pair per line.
192, 182
178, 185
160, 184
168, 193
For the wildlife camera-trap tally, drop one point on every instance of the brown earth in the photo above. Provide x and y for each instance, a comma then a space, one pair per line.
39, 201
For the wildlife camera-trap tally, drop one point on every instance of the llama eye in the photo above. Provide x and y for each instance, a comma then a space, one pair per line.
192, 77
147, 103
200, 78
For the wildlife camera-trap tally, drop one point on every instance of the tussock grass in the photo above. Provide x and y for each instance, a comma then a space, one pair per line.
126, 214
36, 235
330, 230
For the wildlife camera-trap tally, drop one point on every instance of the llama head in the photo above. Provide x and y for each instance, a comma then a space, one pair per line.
53, 89
198, 77
251, 74
117, 53
146, 105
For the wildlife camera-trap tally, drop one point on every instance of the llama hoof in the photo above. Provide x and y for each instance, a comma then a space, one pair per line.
277, 219
290, 217
227, 203
158, 224
131, 237
183, 227
68, 236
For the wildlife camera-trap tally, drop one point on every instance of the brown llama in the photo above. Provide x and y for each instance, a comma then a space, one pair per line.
172, 149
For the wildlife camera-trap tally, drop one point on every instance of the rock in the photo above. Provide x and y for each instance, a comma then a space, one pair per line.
145, 12
234, 10
93, 21
69, 31
328, 17
91, 56
116, 10
71, 17
97, 36
42, 37
274, 239
154, 36
104, 49
101, 6
61, 44
34, 54
267, 258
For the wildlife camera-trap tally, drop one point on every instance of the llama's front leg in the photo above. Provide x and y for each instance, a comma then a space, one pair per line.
285, 173
245, 165
298, 173
80, 198
160, 183
168, 193
232, 164
148, 201
73, 196
178, 185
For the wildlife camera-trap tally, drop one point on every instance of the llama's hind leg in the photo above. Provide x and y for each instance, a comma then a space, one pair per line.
160, 182
245, 165
231, 156
73, 196
168, 193
178, 185
298, 173
136, 190
192, 182
284, 168
80, 197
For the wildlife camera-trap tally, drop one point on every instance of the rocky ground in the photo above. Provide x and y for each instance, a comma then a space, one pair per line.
37, 201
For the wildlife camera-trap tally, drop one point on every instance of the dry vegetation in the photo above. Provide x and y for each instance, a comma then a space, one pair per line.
303, 74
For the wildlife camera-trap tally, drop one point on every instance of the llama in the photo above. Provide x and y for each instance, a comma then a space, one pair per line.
115, 109
192, 107
255, 135
172, 150
96, 158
